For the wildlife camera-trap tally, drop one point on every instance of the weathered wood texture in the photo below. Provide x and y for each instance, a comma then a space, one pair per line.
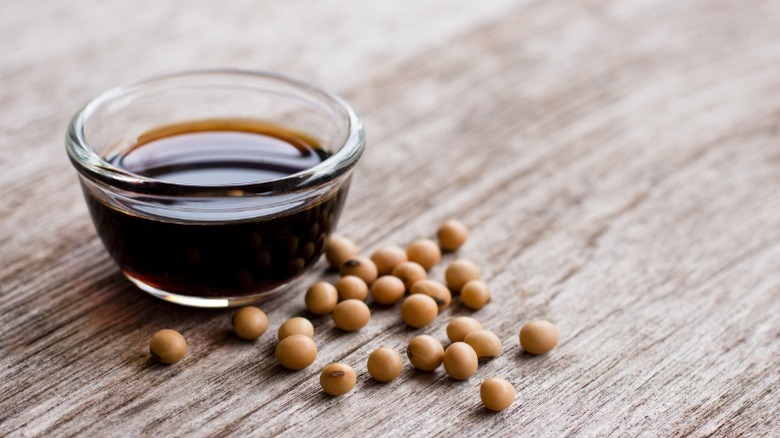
617, 161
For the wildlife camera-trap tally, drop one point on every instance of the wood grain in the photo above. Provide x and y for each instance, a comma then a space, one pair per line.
618, 164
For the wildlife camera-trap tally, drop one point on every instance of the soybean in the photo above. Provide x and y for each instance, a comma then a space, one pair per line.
461, 326
460, 361
460, 272
452, 235
419, 310
425, 353
387, 258
425, 252
497, 394
337, 379
410, 273
351, 315
384, 364
167, 346
360, 266
321, 298
250, 323
435, 290
484, 342
295, 326
338, 249
352, 287
538, 337
296, 352
387, 290
475, 294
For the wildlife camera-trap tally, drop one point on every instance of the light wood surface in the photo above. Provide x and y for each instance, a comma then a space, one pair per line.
618, 163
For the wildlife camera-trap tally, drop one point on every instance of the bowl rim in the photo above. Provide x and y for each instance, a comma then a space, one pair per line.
100, 171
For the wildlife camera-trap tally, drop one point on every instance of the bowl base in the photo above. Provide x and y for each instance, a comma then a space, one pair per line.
204, 302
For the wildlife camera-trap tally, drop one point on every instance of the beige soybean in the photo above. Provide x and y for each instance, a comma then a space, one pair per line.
321, 298
425, 252
460, 361
497, 394
250, 323
461, 326
351, 315
337, 379
460, 272
295, 326
452, 235
485, 343
538, 337
338, 249
384, 364
360, 266
410, 273
387, 290
475, 294
419, 310
296, 352
387, 258
425, 352
167, 346
435, 290
352, 287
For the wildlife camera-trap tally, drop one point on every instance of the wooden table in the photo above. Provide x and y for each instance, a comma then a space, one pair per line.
618, 163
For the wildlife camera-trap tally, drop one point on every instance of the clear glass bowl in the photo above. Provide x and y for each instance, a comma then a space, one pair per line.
210, 245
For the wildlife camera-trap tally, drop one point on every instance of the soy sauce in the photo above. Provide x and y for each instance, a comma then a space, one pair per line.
188, 255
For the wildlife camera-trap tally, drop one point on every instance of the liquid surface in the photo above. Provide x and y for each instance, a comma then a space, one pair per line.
230, 258
210, 153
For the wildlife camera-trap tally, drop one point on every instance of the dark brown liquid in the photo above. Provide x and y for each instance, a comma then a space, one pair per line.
194, 257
